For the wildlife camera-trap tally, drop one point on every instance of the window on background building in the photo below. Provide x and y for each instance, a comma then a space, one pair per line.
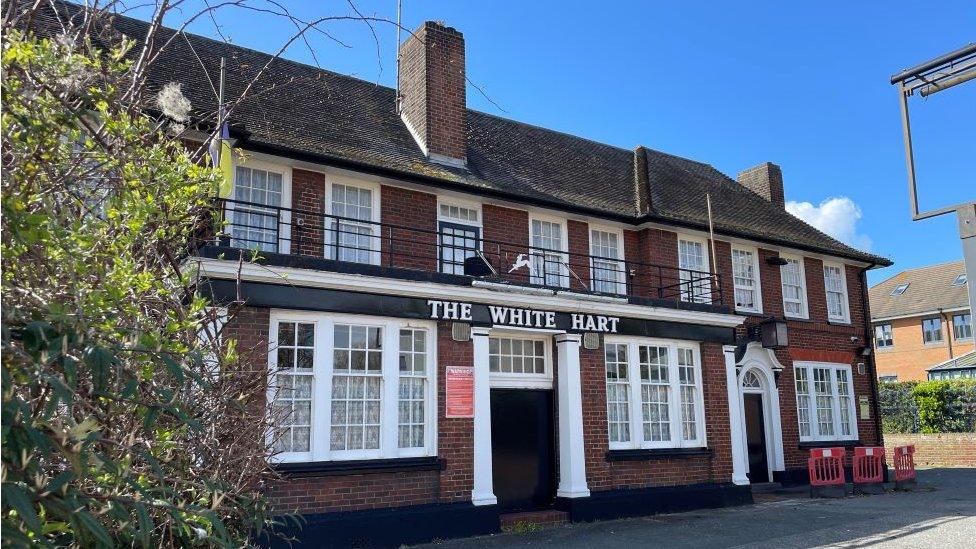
352, 233
825, 401
931, 330
794, 288
608, 272
889, 378
962, 326
549, 261
883, 336
693, 274
745, 276
255, 212
459, 229
350, 388
835, 288
959, 280
654, 397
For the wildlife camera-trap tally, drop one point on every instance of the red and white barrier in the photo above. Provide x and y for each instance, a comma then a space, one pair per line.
826, 467
904, 465
868, 465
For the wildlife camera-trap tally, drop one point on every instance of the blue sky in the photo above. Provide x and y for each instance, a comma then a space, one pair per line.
728, 83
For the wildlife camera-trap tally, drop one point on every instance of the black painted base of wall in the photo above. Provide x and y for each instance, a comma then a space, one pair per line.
389, 527
613, 504
799, 477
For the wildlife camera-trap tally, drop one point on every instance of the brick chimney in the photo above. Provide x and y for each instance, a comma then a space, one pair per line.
432, 87
766, 180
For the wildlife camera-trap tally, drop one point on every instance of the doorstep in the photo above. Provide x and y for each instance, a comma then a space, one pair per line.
530, 519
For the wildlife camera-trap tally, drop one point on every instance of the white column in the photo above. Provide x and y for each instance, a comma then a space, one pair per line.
736, 434
572, 467
483, 492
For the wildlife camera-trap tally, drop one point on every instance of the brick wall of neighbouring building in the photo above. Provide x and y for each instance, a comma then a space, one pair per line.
909, 357
937, 449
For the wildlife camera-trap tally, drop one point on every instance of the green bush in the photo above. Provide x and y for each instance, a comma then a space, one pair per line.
946, 406
899, 411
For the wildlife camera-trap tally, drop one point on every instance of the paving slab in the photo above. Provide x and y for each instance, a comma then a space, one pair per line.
939, 512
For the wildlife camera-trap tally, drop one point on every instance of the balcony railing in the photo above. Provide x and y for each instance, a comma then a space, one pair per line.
443, 250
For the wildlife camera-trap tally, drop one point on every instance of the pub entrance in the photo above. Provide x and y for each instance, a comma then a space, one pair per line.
522, 421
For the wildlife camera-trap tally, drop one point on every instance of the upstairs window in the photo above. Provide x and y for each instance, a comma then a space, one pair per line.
835, 287
899, 289
794, 284
352, 232
255, 214
693, 275
962, 326
931, 330
549, 261
608, 272
459, 235
959, 280
882, 336
745, 277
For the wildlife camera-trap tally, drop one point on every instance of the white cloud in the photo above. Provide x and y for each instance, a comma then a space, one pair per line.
837, 217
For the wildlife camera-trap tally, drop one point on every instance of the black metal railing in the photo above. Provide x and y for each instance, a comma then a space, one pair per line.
274, 229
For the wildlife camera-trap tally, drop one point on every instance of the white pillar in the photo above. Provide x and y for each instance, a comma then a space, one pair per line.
483, 492
572, 465
736, 434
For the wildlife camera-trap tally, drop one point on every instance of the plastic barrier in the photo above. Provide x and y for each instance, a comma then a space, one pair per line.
904, 464
868, 464
826, 466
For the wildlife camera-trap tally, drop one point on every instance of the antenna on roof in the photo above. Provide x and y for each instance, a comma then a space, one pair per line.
397, 99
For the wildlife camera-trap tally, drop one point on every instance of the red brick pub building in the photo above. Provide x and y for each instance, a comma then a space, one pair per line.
465, 316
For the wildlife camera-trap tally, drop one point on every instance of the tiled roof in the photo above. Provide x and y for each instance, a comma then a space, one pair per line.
967, 360
297, 109
929, 289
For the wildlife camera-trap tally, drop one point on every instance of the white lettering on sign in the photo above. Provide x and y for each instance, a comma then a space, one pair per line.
449, 310
521, 317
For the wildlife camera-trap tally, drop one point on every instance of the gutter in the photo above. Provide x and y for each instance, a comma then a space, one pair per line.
871, 362
461, 187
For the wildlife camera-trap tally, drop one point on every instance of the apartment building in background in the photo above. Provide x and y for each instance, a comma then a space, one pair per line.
923, 327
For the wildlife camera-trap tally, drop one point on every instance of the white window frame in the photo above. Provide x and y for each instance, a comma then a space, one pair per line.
846, 299
563, 251
621, 265
835, 410
969, 324
375, 214
674, 395
704, 288
757, 289
941, 339
804, 304
479, 224
510, 380
284, 222
319, 445
889, 335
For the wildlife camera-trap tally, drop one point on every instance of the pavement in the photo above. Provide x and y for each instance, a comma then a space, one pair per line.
939, 512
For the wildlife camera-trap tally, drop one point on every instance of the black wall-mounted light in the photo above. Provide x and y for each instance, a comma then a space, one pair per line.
774, 334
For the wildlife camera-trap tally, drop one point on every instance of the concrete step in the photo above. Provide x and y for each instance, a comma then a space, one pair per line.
533, 519
766, 487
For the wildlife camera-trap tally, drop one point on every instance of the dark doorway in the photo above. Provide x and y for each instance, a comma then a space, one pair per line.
522, 448
756, 438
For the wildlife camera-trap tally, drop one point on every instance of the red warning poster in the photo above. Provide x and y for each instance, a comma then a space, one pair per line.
460, 391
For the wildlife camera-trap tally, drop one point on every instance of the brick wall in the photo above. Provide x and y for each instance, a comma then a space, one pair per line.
935, 450
910, 356
308, 201
415, 249
579, 247
604, 475
455, 436
506, 234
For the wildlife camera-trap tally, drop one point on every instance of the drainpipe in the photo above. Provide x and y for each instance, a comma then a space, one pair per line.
948, 331
871, 364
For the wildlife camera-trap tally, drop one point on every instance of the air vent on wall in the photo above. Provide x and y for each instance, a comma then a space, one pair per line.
460, 331
591, 341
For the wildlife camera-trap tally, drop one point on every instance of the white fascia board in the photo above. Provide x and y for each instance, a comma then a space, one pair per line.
507, 296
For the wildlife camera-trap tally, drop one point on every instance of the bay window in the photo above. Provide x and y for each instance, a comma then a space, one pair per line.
745, 277
654, 394
835, 287
350, 387
825, 401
